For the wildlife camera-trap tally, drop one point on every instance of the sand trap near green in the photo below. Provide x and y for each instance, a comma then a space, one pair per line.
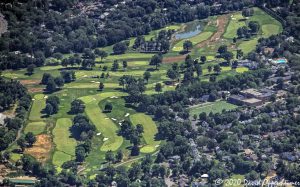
195, 40
104, 125
150, 130
35, 127
39, 103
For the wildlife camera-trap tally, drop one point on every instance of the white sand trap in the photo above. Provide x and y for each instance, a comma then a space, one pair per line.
84, 76
157, 146
114, 119
33, 99
120, 124
127, 114
97, 82
46, 96
106, 118
92, 81
98, 134
65, 94
105, 139
233, 18
113, 97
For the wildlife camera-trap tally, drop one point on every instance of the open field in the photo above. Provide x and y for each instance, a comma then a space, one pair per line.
150, 130
215, 107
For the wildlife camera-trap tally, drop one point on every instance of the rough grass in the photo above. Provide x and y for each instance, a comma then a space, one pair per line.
195, 40
150, 130
38, 105
35, 127
62, 136
214, 107
103, 124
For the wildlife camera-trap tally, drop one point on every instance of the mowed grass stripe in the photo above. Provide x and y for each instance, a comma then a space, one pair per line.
103, 124
38, 105
62, 136
150, 130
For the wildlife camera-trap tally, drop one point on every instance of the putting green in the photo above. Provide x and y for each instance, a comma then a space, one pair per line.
38, 105
242, 69
103, 124
150, 130
195, 40
35, 127
62, 136
147, 149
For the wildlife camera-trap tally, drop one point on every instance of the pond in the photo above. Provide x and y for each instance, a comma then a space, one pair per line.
192, 29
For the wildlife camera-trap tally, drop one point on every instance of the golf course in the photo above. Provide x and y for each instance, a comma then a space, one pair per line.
215, 31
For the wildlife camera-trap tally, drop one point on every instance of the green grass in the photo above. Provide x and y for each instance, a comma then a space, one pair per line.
38, 105
195, 40
234, 180
248, 45
129, 56
59, 158
241, 69
62, 136
35, 127
103, 124
150, 130
214, 107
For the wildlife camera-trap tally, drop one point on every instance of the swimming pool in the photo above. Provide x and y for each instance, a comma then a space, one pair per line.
281, 61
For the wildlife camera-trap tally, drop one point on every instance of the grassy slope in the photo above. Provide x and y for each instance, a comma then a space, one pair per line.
35, 127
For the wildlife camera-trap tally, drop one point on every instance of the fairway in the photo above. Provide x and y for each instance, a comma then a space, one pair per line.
233, 25
59, 158
195, 40
38, 105
150, 130
62, 136
249, 45
214, 107
35, 127
103, 124
129, 56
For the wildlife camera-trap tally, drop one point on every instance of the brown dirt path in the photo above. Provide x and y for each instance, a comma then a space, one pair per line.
41, 148
221, 24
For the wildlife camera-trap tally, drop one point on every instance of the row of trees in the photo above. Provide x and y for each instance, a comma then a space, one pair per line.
52, 84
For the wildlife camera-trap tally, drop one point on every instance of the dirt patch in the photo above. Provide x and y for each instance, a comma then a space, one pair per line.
221, 24
41, 148
35, 90
29, 82
3, 24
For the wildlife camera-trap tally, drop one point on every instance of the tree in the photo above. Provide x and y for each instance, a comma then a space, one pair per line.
217, 68
209, 68
203, 59
45, 78
239, 53
173, 74
119, 155
49, 109
77, 106
135, 150
139, 129
124, 64
59, 81
147, 75
30, 69
198, 70
102, 54
101, 86
22, 143
227, 56
156, 60
120, 48
187, 45
51, 86
222, 49
254, 26
115, 66
109, 156
158, 87
247, 12
108, 107
30, 138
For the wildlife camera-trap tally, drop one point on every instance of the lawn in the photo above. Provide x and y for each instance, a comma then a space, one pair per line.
39, 103
150, 130
104, 125
35, 127
214, 107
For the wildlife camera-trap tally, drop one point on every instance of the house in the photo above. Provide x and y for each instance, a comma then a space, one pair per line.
262, 94
268, 50
248, 152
